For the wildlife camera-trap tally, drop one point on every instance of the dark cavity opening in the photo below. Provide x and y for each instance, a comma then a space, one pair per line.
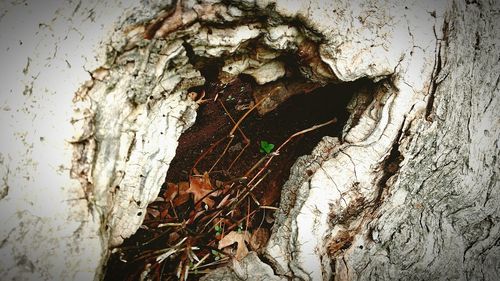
297, 113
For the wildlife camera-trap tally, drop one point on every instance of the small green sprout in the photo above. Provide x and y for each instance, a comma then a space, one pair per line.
266, 147
217, 255
218, 230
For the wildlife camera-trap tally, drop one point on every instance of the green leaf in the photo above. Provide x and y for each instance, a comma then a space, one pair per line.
266, 147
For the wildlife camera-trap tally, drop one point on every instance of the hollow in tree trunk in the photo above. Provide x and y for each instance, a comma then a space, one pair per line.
407, 189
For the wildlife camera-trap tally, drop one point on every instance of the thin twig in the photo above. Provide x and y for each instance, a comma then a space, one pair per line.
256, 165
245, 116
238, 156
248, 213
234, 122
214, 263
250, 190
229, 229
205, 154
231, 138
315, 127
246, 140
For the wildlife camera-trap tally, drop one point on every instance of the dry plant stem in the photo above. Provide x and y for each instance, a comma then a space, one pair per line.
234, 180
231, 135
236, 126
252, 196
210, 221
145, 243
246, 139
151, 254
173, 208
201, 199
205, 154
229, 229
248, 215
201, 261
171, 224
269, 208
223, 260
262, 220
232, 205
249, 190
256, 165
315, 127
238, 156
231, 138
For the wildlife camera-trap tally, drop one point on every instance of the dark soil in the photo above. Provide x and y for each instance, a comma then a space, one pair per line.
297, 113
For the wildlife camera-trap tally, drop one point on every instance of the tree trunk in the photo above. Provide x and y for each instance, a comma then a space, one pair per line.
409, 191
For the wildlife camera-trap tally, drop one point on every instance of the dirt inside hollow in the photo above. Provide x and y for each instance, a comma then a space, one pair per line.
213, 125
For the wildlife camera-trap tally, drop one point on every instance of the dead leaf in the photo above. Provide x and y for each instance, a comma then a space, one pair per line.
235, 237
176, 193
171, 192
153, 212
200, 187
182, 195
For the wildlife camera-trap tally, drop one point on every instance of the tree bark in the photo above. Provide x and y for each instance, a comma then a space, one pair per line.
410, 190
439, 216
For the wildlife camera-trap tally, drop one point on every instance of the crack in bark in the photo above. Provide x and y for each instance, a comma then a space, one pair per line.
360, 210
4, 189
436, 73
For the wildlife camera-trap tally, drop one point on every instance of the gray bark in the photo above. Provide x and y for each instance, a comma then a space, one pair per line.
440, 217
410, 190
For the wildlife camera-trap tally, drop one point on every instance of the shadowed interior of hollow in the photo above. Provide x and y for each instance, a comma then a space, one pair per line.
295, 114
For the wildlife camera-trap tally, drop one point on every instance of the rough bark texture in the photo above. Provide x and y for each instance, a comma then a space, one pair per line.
440, 217
47, 231
410, 191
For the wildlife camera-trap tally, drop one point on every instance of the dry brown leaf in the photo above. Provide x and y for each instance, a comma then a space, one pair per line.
181, 199
235, 237
154, 213
182, 196
200, 187
177, 193
171, 192
174, 190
